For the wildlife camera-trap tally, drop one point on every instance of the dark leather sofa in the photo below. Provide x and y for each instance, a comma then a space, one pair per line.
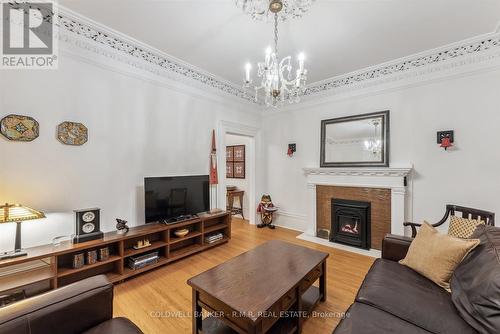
83, 307
396, 299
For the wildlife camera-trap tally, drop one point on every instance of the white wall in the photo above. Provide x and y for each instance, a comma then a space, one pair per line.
467, 175
137, 128
142, 128
242, 184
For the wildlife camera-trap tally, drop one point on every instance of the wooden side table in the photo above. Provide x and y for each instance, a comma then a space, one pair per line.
231, 194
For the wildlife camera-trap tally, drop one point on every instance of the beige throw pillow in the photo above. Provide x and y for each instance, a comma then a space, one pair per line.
435, 255
463, 227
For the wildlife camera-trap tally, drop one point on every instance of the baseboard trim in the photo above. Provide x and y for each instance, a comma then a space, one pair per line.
372, 252
293, 215
288, 228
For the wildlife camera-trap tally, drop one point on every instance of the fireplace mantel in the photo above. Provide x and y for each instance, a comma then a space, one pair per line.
381, 177
379, 171
396, 178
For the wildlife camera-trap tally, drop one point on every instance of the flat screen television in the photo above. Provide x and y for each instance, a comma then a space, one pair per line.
168, 199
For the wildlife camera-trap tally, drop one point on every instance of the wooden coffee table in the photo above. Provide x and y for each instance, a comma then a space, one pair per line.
268, 289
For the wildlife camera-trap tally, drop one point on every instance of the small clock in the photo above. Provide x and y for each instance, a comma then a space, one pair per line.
87, 225
88, 216
88, 228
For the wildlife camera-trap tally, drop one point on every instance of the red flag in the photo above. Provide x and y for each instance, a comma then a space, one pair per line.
213, 162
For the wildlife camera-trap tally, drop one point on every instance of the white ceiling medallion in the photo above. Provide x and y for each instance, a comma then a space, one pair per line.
265, 10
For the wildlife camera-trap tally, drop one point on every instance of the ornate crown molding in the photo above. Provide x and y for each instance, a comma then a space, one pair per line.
390, 171
85, 33
125, 49
476, 49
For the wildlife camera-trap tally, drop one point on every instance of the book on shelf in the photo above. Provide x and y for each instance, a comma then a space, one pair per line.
214, 237
138, 262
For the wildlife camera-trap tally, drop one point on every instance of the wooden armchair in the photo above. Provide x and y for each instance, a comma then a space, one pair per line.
470, 213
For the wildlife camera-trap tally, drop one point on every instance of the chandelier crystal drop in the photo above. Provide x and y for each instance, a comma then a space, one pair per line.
374, 145
265, 10
279, 82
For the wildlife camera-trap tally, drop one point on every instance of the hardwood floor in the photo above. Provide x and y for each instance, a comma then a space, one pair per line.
160, 301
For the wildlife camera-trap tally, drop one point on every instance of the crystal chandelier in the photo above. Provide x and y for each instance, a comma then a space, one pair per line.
265, 10
374, 145
278, 82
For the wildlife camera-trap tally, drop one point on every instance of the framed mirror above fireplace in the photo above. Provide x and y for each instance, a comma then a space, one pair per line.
356, 141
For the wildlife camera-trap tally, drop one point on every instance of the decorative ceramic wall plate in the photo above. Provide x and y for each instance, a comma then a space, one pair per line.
19, 128
70, 133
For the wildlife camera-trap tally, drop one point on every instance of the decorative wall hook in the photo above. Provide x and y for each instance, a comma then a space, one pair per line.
292, 148
445, 139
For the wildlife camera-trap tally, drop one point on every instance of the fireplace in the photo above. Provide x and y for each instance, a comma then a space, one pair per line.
350, 223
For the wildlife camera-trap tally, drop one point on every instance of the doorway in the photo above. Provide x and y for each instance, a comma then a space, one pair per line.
237, 176
232, 135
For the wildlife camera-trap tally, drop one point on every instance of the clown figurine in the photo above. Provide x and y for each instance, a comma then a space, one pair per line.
266, 209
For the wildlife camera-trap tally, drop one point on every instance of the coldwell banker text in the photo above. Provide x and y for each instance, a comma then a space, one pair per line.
28, 35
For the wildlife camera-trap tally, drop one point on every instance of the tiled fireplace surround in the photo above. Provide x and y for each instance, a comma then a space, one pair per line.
387, 189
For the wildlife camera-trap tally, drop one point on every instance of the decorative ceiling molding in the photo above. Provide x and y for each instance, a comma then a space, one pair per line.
72, 22
139, 55
466, 48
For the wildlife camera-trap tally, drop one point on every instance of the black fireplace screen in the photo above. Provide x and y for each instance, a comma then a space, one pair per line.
351, 223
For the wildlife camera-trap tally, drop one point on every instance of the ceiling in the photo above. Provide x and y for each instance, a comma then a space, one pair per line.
337, 36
